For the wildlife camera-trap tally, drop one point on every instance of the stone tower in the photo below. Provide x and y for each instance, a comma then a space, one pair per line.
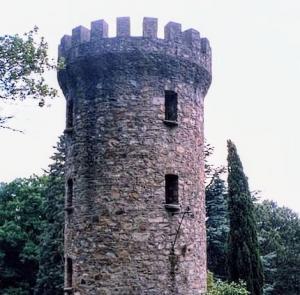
135, 213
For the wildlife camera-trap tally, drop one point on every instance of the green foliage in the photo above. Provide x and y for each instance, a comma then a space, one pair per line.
210, 280
224, 288
14, 291
23, 62
279, 238
21, 223
278, 230
217, 226
51, 269
243, 250
31, 232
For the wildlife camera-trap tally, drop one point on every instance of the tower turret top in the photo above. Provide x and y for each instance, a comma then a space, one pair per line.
95, 41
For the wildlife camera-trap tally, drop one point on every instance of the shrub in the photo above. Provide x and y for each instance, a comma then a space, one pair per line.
225, 288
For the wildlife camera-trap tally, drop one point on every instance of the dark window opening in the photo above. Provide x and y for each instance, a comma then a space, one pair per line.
171, 182
69, 273
70, 112
170, 106
70, 192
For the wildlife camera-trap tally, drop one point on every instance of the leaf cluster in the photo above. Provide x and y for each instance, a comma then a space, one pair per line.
31, 232
279, 238
23, 63
219, 287
21, 224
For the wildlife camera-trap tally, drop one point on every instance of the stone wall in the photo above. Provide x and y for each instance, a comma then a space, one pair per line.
118, 232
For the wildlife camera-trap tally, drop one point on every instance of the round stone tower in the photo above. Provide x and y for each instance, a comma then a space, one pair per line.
135, 210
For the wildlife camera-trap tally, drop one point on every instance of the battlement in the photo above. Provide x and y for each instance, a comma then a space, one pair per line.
96, 41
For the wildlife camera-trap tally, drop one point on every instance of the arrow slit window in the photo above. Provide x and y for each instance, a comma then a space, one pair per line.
171, 182
70, 111
69, 272
69, 193
171, 105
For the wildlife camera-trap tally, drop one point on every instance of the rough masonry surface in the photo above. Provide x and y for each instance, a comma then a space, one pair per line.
118, 231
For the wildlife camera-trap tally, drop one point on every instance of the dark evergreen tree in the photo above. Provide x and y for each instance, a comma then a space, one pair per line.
279, 238
217, 226
244, 262
51, 263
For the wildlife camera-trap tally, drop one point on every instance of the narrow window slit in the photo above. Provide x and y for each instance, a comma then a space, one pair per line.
171, 106
69, 272
171, 191
70, 111
69, 201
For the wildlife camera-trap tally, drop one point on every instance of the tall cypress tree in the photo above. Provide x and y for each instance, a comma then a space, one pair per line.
244, 262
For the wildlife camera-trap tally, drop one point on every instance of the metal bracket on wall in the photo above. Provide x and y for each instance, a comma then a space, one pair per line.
186, 212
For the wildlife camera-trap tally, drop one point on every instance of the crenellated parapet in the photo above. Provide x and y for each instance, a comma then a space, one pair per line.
187, 45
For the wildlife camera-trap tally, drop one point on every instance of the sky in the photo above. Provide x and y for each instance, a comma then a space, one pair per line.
253, 99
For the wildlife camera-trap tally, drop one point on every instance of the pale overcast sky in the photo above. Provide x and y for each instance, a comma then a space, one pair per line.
253, 100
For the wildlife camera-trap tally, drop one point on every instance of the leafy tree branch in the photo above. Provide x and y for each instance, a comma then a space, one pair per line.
23, 63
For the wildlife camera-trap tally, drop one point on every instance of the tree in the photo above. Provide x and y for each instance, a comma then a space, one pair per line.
244, 262
23, 62
217, 226
279, 238
51, 263
21, 223
31, 232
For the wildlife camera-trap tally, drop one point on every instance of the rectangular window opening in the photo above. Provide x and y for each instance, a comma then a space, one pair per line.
171, 106
69, 193
171, 182
69, 273
70, 113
